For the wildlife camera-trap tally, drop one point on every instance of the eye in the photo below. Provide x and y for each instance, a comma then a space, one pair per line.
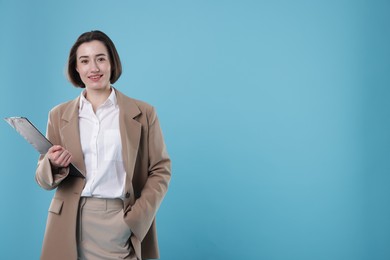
84, 61
101, 59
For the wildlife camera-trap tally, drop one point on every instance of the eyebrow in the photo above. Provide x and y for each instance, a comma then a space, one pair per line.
98, 55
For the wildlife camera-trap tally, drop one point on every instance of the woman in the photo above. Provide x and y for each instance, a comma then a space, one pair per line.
116, 143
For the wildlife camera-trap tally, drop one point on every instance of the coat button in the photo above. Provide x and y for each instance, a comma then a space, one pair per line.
127, 195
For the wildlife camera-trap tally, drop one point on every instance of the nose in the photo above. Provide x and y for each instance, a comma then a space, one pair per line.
94, 67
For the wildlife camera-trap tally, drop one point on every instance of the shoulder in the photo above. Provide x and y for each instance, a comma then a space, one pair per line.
134, 104
65, 107
142, 105
61, 106
141, 111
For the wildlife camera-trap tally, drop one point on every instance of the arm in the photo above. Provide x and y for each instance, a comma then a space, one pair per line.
53, 166
143, 212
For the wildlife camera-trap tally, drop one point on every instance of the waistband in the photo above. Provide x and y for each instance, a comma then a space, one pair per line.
101, 204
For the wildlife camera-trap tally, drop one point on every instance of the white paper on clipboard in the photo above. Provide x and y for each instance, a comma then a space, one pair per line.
32, 135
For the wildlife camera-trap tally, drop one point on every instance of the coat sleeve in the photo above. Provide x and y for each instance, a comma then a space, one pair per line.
47, 176
143, 212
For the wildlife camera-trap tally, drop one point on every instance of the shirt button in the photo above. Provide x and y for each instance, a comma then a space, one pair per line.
127, 195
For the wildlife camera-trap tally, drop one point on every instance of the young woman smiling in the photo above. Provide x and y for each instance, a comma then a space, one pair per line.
117, 144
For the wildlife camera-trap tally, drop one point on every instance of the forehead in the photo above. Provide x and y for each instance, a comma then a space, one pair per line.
91, 49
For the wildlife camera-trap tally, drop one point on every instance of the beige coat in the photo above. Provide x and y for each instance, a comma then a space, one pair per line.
147, 165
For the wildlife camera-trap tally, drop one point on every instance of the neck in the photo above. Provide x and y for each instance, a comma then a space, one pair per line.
97, 97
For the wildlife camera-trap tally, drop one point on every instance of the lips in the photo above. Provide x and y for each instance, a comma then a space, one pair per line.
95, 77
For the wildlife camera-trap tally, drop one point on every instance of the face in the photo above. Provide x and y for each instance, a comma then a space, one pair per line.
93, 65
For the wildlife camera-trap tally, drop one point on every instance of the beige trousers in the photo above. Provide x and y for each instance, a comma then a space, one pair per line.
102, 233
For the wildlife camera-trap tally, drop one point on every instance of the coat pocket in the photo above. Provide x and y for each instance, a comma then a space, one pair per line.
56, 206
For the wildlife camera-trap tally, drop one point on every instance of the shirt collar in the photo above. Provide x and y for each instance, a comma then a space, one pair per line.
111, 100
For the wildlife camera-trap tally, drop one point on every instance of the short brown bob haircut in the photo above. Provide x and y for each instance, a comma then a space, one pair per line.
116, 66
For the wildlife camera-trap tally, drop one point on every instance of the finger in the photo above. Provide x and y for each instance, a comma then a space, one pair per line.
59, 157
68, 160
64, 158
56, 159
55, 148
55, 156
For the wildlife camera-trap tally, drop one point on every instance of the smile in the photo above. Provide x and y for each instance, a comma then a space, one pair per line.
95, 77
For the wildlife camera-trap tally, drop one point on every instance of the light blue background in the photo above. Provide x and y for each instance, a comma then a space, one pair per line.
276, 115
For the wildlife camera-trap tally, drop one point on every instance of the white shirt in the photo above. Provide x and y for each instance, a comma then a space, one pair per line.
102, 149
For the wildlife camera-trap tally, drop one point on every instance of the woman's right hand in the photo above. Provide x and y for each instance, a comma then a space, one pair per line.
59, 156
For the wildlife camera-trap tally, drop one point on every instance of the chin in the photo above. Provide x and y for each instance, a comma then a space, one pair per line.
98, 87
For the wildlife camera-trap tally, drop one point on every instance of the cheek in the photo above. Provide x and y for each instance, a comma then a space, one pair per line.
81, 71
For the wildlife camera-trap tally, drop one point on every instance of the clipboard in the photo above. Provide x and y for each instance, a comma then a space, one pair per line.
32, 135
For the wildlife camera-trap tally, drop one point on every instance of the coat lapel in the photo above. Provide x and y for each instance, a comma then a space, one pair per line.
71, 134
130, 130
